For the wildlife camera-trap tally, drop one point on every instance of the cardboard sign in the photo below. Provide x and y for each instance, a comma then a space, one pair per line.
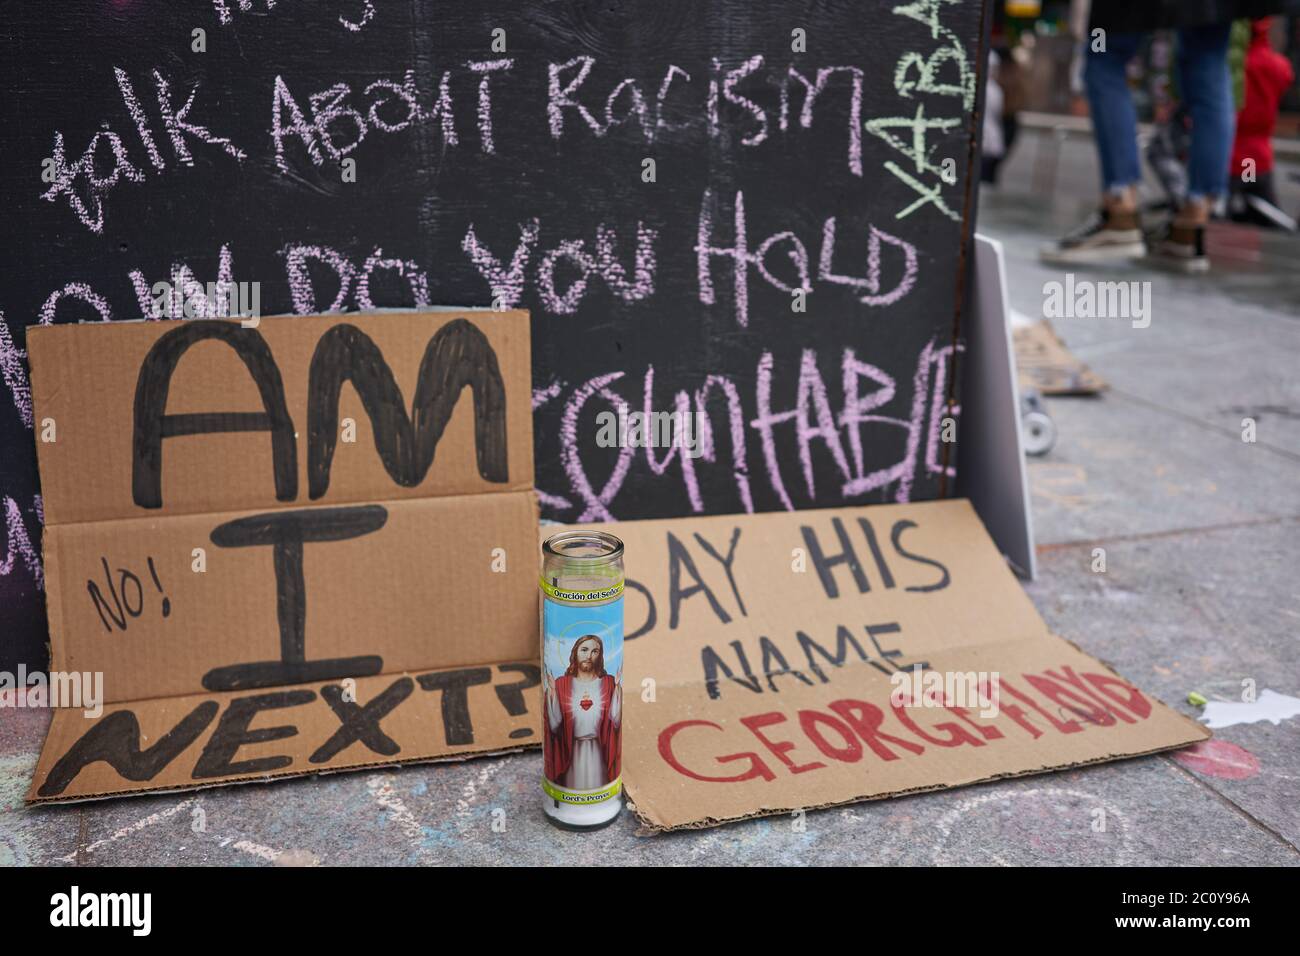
301, 546
1043, 362
788, 661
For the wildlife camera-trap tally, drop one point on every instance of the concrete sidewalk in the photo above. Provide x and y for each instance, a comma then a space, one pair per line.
1200, 532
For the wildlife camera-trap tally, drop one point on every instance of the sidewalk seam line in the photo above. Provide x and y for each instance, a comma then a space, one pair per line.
1170, 533
1232, 803
1200, 422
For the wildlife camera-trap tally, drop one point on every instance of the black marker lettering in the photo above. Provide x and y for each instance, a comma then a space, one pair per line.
713, 663
361, 721
457, 356
512, 695
844, 639
286, 532
233, 732
116, 741
772, 655
457, 727
726, 563
652, 615
824, 564
886, 578
153, 424
679, 557
897, 537
892, 628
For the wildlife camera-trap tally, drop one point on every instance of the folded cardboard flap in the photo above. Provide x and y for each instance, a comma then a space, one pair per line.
1043, 362
204, 740
411, 587
788, 661
822, 745
243, 520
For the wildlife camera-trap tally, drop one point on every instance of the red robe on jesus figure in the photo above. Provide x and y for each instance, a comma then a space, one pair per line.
582, 745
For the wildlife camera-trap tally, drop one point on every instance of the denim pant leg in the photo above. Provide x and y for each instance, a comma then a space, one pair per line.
1207, 91
1114, 119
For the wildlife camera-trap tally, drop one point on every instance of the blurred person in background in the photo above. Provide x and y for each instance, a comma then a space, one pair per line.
993, 144
1268, 75
1004, 97
1116, 31
1077, 25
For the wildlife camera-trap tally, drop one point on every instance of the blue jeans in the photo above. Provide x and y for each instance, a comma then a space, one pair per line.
1206, 90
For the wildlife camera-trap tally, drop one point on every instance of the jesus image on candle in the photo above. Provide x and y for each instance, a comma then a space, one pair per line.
584, 716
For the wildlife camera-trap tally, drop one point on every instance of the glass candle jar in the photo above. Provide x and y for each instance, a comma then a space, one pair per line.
582, 678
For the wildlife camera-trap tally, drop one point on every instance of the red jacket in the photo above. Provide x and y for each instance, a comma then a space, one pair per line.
1268, 74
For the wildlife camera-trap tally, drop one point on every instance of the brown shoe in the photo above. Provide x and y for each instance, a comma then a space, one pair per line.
1109, 236
1181, 248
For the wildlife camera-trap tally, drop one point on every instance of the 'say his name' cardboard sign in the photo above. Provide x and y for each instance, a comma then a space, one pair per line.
304, 546
788, 661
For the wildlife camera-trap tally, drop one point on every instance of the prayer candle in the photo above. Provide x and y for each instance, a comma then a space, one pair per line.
582, 678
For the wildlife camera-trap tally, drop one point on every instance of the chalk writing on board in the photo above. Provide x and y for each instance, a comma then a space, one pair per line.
515, 179
812, 419
601, 260
298, 259
815, 420
331, 126
186, 296
332, 122
626, 267
74, 290
83, 184
742, 259
15, 376
628, 100
19, 550
919, 73
90, 209
356, 14
927, 13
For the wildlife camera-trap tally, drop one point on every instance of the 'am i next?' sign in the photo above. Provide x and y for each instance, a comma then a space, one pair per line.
303, 546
